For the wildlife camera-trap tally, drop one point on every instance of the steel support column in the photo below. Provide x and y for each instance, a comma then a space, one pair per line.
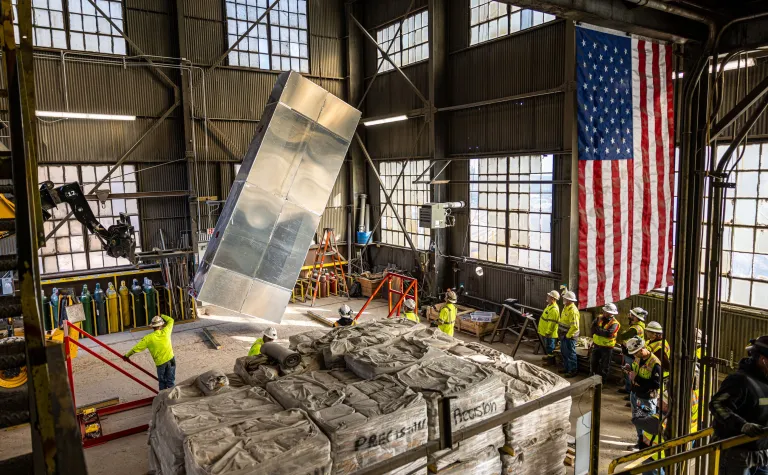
566, 202
356, 170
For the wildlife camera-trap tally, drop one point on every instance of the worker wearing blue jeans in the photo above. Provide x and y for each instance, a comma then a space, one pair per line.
568, 329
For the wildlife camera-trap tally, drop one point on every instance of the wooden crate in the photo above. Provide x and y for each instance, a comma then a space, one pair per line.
463, 322
367, 286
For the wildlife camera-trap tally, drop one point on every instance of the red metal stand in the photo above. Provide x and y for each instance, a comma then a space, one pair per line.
126, 406
411, 291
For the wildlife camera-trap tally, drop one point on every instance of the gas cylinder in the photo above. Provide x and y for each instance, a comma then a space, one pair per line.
86, 299
47, 313
55, 306
113, 314
125, 300
138, 304
333, 284
323, 286
151, 296
101, 310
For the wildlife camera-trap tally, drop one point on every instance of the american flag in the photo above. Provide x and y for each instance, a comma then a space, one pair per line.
626, 165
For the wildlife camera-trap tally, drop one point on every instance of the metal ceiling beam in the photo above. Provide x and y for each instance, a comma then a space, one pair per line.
748, 101
620, 15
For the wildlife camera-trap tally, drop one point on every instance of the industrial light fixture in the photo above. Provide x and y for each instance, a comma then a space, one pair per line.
730, 65
387, 120
80, 115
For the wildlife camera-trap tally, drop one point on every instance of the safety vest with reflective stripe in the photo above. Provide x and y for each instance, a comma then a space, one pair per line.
655, 346
651, 439
569, 321
446, 319
646, 369
411, 316
605, 341
548, 323
640, 329
694, 411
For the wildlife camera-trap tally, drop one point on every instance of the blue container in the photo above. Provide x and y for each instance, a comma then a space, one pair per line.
363, 237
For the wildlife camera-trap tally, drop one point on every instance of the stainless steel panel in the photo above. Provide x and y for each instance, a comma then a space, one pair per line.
335, 117
303, 96
317, 173
225, 288
281, 151
266, 301
274, 206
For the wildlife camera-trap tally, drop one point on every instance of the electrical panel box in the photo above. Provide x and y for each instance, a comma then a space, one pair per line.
432, 215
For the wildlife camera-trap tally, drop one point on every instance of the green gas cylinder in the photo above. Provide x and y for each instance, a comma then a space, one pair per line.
138, 304
101, 310
55, 306
125, 300
151, 295
86, 299
113, 314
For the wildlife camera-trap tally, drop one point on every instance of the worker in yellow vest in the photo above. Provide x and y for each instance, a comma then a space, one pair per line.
645, 373
159, 345
568, 330
410, 310
652, 426
548, 325
270, 334
636, 328
654, 336
346, 317
446, 319
604, 331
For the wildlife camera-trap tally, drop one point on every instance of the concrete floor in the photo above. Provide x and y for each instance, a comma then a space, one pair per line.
95, 381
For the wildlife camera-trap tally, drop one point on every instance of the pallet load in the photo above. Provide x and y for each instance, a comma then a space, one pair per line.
172, 424
286, 442
476, 394
391, 357
434, 337
488, 462
342, 340
366, 421
481, 354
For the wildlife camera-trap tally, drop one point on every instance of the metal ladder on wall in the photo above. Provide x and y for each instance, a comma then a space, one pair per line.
44, 401
327, 248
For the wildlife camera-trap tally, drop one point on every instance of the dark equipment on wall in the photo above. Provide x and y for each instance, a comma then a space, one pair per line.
118, 240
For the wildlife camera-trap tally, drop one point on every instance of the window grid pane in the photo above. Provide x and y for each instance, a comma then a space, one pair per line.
511, 223
90, 31
408, 46
67, 249
407, 198
489, 20
279, 42
48, 21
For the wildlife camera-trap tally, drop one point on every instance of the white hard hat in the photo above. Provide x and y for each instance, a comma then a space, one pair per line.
271, 333
610, 309
410, 304
634, 345
345, 311
450, 296
554, 294
639, 313
568, 295
157, 322
654, 327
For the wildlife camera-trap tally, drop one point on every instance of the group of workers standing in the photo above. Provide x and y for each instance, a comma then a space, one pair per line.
555, 325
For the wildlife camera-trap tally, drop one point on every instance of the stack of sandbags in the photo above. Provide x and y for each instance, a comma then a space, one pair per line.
173, 423
282, 443
488, 462
342, 340
256, 370
535, 443
391, 357
434, 337
366, 421
260, 369
481, 354
477, 394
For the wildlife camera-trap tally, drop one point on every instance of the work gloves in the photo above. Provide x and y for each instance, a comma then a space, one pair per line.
753, 430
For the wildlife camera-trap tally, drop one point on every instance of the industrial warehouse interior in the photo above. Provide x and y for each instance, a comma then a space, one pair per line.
396, 237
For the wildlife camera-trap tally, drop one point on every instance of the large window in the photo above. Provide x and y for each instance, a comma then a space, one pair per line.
279, 42
88, 29
410, 45
489, 20
407, 198
511, 221
73, 248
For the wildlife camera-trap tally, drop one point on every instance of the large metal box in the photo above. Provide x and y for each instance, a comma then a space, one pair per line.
273, 210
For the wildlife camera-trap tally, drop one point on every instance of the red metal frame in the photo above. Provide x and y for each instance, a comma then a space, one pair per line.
126, 406
395, 309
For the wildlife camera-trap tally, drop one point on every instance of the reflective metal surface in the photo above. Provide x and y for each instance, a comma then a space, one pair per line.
275, 204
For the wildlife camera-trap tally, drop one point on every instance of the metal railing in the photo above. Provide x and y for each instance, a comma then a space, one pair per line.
449, 437
712, 450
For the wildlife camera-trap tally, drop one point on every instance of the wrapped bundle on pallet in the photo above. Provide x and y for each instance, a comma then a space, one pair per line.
434, 337
260, 369
487, 463
374, 361
537, 442
172, 424
366, 421
481, 354
283, 443
342, 340
256, 370
476, 394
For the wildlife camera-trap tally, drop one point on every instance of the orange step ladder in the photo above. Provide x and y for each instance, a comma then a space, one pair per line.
327, 248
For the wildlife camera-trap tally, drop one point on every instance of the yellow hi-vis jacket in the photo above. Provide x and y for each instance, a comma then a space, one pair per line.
158, 343
548, 323
256, 347
411, 316
655, 346
446, 319
569, 321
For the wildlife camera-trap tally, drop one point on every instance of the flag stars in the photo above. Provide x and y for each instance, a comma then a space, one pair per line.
605, 47
601, 78
618, 150
594, 45
601, 57
613, 141
583, 43
589, 55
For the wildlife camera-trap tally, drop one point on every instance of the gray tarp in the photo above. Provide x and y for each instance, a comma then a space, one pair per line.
487, 462
342, 340
366, 421
391, 357
286, 442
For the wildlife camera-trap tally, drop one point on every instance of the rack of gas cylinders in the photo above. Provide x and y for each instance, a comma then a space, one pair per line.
113, 310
